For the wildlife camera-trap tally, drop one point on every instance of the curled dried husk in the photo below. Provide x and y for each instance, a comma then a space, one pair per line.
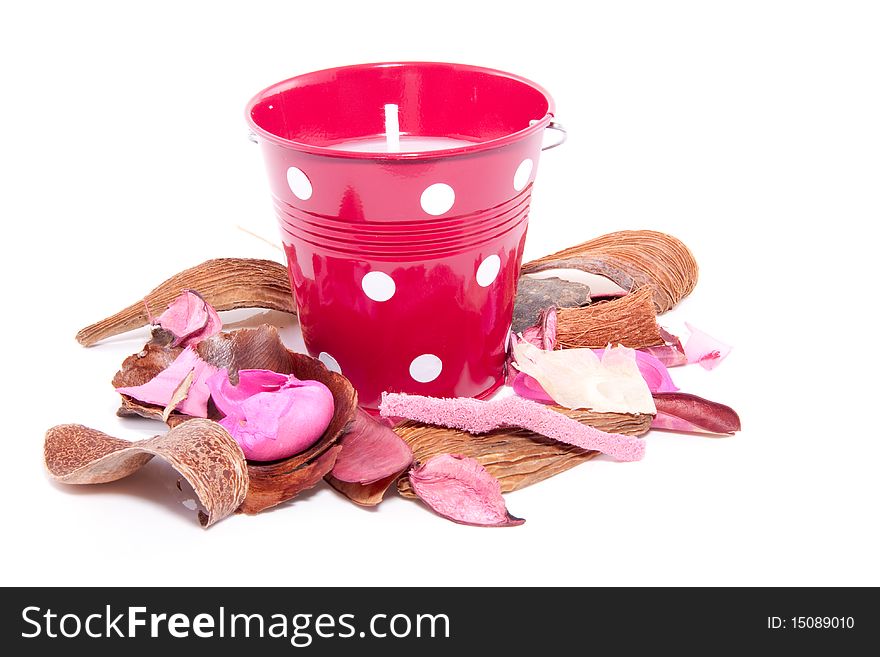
633, 259
516, 457
257, 348
628, 320
202, 452
224, 283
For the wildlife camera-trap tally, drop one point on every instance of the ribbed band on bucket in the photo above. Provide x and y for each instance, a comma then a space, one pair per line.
404, 240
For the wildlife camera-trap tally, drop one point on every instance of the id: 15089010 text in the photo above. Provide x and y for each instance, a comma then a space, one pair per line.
811, 623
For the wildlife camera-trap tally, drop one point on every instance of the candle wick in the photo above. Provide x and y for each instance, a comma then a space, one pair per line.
392, 129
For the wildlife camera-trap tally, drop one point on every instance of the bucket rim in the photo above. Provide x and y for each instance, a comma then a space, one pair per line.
537, 125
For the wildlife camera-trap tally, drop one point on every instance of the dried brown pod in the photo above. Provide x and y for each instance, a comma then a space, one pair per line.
201, 450
253, 348
274, 483
633, 259
516, 458
225, 283
534, 295
686, 413
629, 320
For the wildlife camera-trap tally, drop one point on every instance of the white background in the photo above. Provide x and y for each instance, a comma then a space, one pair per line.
748, 129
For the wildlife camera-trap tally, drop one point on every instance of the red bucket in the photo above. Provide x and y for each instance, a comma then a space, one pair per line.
403, 193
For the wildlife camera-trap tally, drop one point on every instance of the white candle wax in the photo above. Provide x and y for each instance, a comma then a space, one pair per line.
408, 144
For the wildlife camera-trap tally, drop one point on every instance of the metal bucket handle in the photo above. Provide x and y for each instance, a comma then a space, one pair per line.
560, 139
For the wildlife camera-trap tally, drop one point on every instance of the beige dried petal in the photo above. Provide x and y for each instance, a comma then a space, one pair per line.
578, 378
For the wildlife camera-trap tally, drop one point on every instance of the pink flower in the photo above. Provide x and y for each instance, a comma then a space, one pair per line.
270, 415
702, 348
190, 319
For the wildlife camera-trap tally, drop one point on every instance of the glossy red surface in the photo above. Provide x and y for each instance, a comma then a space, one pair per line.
434, 303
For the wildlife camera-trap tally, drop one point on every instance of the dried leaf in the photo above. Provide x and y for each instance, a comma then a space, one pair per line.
534, 295
477, 416
200, 450
516, 457
632, 259
629, 320
224, 283
683, 412
460, 489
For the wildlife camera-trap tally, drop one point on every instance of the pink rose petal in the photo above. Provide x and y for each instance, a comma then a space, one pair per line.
370, 451
528, 387
160, 389
190, 319
702, 348
667, 354
272, 416
654, 373
227, 397
543, 333
460, 489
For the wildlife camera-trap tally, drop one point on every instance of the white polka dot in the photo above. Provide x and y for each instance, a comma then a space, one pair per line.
437, 199
329, 362
488, 270
425, 368
299, 184
378, 285
522, 175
